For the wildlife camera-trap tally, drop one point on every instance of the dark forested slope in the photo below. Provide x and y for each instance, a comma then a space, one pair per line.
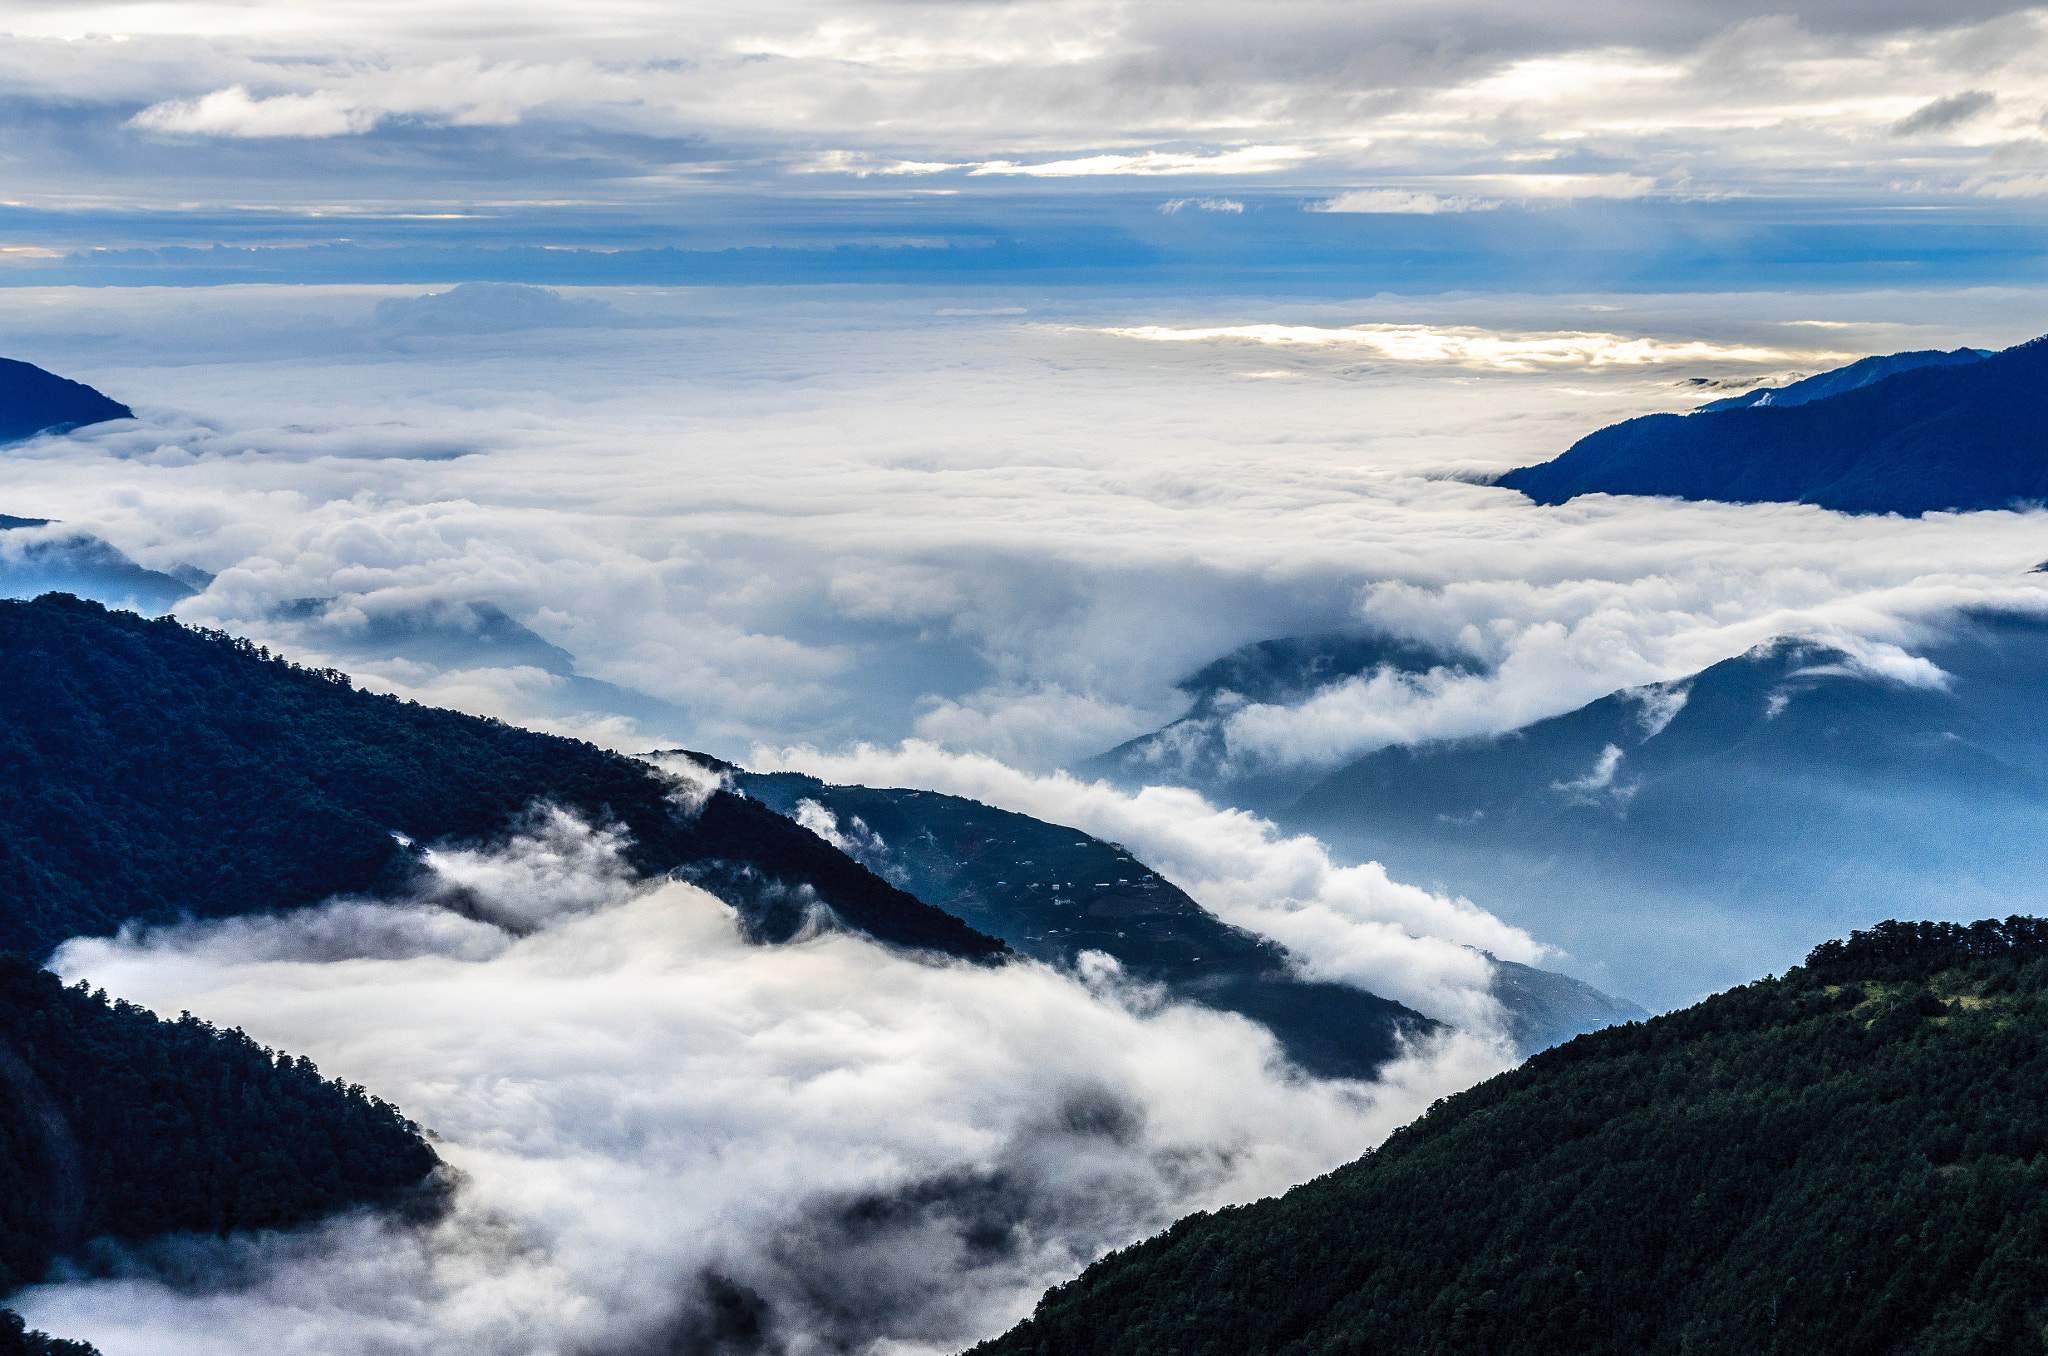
17, 1339
32, 400
1968, 437
1851, 1159
156, 771
115, 1124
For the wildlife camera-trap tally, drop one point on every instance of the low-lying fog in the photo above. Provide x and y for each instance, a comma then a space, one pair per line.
669, 1140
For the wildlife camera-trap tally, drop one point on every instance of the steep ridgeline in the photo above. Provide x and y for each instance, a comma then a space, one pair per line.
1933, 437
1863, 372
158, 772
33, 401
1848, 1161
1682, 833
1053, 892
115, 1125
1195, 750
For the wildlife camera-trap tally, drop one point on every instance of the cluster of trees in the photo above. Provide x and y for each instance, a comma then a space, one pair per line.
1851, 1159
115, 1124
1894, 950
159, 772
17, 1339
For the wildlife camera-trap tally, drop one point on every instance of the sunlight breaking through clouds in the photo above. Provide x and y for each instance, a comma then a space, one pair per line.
1481, 349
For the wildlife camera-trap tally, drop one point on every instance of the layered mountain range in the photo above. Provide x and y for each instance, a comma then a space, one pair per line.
1669, 835
1844, 1159
161, 774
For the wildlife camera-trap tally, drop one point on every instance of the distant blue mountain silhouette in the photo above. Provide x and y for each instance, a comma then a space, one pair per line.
1863, 372
32, 401
1930, 438
1668, 836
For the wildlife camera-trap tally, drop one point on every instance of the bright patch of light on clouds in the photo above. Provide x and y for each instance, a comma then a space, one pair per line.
1400, 202
1515, 353
1245, 160
231, 112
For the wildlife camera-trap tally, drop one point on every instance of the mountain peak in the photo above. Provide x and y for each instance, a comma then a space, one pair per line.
1961, 435
33, 401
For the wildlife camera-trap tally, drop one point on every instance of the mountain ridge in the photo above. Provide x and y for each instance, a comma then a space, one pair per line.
165, 772
1854, 376
34, 401
1849, 1160
1927, 439
1052, 891
1680, 820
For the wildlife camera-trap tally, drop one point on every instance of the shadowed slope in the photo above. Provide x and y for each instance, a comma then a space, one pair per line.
32, 400
1968, 437
1053, 892
160, 772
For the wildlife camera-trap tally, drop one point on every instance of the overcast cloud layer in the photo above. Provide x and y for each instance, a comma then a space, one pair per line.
365, 110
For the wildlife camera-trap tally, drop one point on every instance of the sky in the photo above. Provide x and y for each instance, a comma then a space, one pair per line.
1294, 142
915, 394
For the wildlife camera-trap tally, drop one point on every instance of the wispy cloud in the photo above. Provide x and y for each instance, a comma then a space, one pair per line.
1400, 202
232, 112
1245, 160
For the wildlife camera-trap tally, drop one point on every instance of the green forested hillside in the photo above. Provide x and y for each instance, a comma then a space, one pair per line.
156, 772
1849, 1159
115, 1124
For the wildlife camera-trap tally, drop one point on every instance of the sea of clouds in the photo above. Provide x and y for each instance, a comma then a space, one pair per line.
899, 537
806, 516
666, 1139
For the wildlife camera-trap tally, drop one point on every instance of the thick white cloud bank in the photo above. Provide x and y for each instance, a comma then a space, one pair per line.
664, 1135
